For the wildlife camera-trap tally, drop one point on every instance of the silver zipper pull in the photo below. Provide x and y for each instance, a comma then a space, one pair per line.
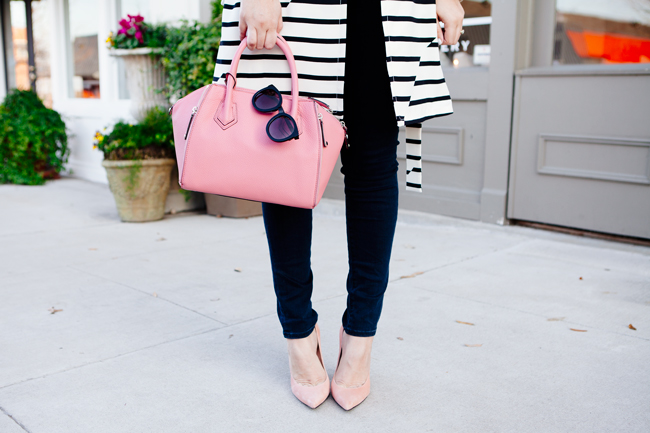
322, 129
189, 125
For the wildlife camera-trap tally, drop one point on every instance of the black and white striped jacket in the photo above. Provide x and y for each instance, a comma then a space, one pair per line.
315, 31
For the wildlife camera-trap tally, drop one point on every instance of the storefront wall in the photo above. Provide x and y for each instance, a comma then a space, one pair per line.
465, 155
85, 116
85, 84
554, 130
532, 138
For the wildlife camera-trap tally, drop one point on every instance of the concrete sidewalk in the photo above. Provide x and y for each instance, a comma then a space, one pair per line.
170, 326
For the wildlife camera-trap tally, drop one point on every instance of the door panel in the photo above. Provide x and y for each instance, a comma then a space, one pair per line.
453, 150
581, 152
452, 163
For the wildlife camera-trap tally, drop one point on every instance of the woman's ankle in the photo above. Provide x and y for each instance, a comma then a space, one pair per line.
354, 366
304, 363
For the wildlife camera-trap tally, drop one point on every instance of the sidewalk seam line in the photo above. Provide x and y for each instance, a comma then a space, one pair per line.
13, 419
150, 295
461, 261
134, 351
587, 265
99, 361
527, 312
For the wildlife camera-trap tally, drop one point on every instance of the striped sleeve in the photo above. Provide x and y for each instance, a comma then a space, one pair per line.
413, 58
414, 158
315, 32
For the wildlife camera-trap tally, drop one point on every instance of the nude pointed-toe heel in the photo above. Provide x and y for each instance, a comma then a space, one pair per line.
313, 395
348, 398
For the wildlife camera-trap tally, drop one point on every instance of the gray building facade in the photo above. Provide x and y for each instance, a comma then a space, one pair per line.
553, 127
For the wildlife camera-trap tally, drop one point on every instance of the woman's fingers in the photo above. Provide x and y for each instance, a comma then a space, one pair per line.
251, 42
261, 38
261, 21
243, 29
441, 36
271, 37
452, 32
451, 13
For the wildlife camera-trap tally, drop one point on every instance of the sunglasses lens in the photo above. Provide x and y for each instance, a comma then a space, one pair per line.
267, 99
281, 128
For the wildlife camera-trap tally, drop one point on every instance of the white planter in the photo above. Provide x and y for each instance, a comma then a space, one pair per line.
145, 77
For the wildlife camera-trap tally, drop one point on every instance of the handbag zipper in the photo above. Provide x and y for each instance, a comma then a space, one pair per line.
196, 109
345, 140
322, 130
322, 104
189, 125
320, 117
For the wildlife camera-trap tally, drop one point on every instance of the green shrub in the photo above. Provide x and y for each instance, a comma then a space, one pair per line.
33, 140
190, 53
149, 139
217, 9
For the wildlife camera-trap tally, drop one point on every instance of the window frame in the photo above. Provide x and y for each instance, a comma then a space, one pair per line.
62, 67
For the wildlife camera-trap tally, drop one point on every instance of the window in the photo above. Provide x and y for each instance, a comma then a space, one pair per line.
134, 7
42, 29
473, 48
84, 48
19, 42
23, 76
602, 31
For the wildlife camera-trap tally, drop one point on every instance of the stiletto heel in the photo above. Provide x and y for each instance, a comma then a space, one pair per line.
314, 395
348, 398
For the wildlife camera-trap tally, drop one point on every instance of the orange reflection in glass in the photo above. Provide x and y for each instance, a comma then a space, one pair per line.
612, 47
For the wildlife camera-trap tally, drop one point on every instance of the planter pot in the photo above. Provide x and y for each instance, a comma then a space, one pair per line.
140, 187
145, 77
231, 207
179, 200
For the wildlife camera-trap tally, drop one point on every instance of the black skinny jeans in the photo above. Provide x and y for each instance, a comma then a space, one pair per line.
371, 194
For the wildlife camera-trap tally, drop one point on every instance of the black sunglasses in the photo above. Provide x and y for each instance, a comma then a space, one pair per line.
281, 127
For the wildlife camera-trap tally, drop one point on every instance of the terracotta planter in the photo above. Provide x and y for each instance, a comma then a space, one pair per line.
231, 207
140, 187
145, 77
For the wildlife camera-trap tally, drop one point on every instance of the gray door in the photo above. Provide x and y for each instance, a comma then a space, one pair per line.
581, 131
454, 146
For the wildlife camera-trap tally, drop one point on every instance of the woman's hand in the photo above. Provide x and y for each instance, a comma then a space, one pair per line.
451, 13
261, 21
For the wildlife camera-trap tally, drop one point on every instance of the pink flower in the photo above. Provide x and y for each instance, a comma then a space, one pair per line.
136, 18
125, 24
138, 36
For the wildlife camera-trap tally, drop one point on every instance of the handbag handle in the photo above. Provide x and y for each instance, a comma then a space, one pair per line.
230, 84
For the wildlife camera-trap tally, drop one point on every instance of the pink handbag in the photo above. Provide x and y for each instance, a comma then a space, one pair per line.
222, 146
